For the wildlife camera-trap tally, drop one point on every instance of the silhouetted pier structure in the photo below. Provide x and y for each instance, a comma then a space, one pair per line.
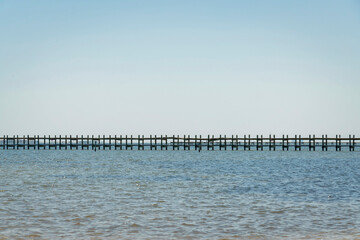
186, 142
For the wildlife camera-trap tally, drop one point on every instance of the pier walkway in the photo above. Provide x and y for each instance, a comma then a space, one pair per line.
185, 142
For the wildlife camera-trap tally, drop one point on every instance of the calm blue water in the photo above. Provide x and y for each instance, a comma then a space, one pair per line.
179, 195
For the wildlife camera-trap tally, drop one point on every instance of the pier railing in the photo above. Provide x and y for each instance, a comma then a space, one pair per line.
184, 142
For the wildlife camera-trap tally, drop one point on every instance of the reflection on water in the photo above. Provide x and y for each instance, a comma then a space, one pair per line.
179, 195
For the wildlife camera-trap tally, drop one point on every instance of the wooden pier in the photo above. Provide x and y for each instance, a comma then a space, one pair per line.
186, 142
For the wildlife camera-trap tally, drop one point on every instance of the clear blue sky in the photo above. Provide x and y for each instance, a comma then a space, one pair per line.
179, 67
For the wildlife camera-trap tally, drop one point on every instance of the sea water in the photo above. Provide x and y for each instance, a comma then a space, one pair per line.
75, 194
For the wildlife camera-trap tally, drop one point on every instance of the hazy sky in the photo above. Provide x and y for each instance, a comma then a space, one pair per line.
179, 67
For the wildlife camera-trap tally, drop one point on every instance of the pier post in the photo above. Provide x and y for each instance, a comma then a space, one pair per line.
351, 146
143, 142
189, 142
213, 143
234, 142
270, 142
245, 142
184, 143
299, 144
178, 142
126, 142
184, 140
82, 142
314, 142
23, 142
310, 143
99, 142
353, 142
115, 142
237, 142
2, 143
208, 142
138, 142
7, 142
20, 142
131, 142
338, 143
77, 142
155, 143
13, 142
173, 143
121, 142
274, 139
151, 145
200, 144
166, 142
286, 143
66, 144
283, 142
195, 143
220, 143
92, 143
88, 142
261, 143
161, 142
73, 142
52, 142
324, 143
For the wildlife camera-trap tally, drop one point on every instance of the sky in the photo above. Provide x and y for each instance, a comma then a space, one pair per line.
179, 67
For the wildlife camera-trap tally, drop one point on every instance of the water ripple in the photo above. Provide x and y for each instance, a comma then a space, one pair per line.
179, 195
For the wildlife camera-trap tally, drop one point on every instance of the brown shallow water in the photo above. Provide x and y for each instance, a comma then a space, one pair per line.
179, 195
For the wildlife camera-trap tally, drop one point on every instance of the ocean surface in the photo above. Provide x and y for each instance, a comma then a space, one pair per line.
53, 194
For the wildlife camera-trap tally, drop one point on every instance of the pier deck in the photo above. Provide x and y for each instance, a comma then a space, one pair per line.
186, 142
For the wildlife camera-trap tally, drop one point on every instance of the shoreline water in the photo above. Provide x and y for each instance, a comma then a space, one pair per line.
179, 195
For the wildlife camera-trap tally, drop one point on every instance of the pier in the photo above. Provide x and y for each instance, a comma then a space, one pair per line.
183, 142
